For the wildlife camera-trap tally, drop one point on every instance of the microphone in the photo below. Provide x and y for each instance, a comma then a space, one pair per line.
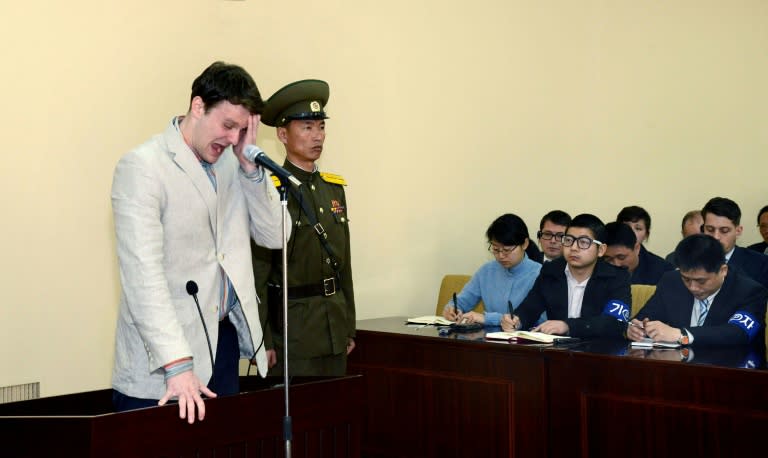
254, 154
192, 290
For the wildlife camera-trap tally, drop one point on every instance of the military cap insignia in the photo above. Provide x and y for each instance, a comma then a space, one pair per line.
315, 106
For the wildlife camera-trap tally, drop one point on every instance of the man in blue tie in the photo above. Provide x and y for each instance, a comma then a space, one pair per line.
704, 302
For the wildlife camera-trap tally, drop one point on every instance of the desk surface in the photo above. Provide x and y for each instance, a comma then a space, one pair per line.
751, 357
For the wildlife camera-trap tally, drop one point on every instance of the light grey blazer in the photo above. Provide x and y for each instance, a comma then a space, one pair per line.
173, 227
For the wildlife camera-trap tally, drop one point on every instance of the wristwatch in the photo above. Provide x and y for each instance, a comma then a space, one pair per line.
684, 339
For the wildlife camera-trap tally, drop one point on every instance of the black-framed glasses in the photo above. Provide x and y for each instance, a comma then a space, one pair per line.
503, 251
582, 242
547, 235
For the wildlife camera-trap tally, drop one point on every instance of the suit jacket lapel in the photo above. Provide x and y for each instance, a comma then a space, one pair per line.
184, 157
717, 311
682, 308
224, 182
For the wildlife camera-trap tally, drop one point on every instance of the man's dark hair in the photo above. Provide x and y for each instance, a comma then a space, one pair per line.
689, 216
508, 229
620, 234
760, 213
591, 222
699, 251
222, 81
558, 217
633, 214
722, 206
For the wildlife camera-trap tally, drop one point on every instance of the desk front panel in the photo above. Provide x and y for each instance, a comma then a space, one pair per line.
456, 395
610, 406
448, 396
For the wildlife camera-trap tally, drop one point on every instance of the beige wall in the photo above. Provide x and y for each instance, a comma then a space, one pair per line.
445, 114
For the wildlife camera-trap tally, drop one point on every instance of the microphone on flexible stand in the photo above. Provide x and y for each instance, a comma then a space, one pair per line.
254, 154
192, 290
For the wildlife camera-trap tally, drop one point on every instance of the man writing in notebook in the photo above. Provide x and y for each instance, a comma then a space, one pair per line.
704, 302
582, 295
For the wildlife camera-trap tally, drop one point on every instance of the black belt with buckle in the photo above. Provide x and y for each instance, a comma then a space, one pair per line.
326, 288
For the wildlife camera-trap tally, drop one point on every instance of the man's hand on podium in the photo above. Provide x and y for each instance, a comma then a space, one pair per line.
187, 388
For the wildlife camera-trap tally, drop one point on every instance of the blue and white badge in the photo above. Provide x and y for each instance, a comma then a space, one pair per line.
746, 322
617, 309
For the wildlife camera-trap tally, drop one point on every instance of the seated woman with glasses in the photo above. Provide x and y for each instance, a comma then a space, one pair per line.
501, 284
582, 295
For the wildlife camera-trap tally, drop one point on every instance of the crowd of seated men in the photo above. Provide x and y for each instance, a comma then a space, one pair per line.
708, 291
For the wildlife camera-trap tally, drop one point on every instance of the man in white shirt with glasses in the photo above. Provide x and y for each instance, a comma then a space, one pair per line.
582, 295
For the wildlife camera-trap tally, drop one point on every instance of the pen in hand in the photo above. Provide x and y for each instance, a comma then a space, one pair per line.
456, 309
640, 326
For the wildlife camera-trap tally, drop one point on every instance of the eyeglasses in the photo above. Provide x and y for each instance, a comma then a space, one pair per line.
582, 242
503, 251
546, 235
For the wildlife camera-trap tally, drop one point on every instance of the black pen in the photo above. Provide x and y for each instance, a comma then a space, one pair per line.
512, 313
456, 307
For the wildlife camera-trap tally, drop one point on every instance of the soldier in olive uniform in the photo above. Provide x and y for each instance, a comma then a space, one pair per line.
321, 302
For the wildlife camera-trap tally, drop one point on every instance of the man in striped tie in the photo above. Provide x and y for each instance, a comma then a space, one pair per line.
704, 302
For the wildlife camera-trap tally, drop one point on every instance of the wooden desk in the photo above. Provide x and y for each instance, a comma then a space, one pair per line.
608, 405
326, 418
459, 396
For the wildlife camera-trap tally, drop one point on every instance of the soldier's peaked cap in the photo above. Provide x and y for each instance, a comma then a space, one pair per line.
303, 99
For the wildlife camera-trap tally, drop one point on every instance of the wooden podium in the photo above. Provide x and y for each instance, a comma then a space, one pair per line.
326, 414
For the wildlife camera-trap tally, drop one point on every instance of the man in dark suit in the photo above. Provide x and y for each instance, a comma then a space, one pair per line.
582, 295
691, 224
624, 251
762, 225
704, 302
551, 229
722, 218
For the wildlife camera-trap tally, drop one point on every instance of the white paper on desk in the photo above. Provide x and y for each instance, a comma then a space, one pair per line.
525, 336
647, 342
430, 319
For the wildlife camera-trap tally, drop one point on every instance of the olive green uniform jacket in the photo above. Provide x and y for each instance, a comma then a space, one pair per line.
319, 325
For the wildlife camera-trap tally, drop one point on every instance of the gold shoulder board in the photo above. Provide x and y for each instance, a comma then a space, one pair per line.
276, 181
333, 178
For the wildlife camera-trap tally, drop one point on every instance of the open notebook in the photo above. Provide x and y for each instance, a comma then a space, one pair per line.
526, 337
430, 319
